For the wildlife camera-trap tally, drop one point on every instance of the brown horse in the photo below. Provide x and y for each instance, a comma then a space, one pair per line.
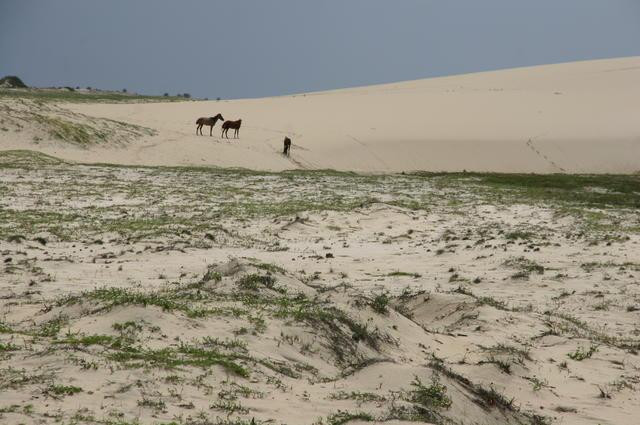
287, 146
231, 124
211, 121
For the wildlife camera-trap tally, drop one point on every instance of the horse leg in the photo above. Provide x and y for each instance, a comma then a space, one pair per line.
197, 128
210, 130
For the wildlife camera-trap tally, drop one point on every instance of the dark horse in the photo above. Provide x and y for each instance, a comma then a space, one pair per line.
211, 121
287, 146
231, 124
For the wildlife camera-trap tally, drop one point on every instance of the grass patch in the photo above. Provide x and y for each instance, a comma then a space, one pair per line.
432, 396
8, 347
615, 190
62, 390
400, 274
343, 417
358, 396
581, 353
271, 268
72, 132
183, 356
519, 234
380, 303
18, 158
524, 265
252, 282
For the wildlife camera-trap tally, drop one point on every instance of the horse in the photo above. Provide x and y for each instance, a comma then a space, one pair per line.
210, 121
287, 146
231, 124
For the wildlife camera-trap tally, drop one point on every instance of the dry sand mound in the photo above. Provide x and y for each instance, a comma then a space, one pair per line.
238, 330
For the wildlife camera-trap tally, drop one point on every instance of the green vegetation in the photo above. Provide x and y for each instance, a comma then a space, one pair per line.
73, 132
252, 282
524, 266
433, 396
183, 356
271, 268
360, 397
27, 159
12, 81
581, 354
62, 390
399, 273
239, 313
380, 302
153, 404
159, 197
8, 347
61, 95
112, 297
343, 417
503, 349
619, 190
519, 234
230, 407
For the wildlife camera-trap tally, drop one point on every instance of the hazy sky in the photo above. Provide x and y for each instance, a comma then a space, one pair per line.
252, 48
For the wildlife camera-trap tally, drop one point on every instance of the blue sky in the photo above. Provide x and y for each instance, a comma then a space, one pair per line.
253, 48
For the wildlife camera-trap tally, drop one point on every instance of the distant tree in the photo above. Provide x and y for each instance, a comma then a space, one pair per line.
124, 90
12, 81
88, 87
77, 87
166, 95
187, 96
218, 99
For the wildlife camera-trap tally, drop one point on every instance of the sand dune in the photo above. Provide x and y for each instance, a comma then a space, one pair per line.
133, 295
576, 117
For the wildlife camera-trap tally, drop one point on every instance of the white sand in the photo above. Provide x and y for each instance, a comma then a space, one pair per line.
577, 117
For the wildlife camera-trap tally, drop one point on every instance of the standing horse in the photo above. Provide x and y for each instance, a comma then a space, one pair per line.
231, 124
211, 121
287, 146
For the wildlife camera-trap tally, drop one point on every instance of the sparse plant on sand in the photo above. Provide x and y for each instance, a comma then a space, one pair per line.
380, 303
581, 353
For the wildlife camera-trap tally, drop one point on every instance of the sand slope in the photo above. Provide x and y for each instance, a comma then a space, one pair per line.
134, 285
575, 117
